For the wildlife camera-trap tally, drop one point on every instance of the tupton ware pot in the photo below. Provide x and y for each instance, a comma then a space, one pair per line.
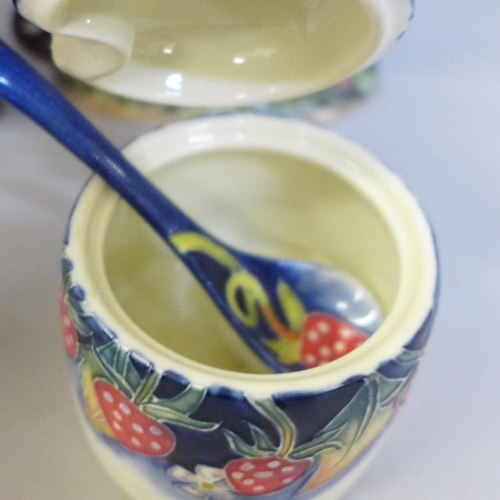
174, 405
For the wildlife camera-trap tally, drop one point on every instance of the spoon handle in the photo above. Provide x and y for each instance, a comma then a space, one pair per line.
29, 92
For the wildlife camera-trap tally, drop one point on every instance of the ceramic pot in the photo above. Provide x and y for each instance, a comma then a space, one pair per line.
175, 406
217, 53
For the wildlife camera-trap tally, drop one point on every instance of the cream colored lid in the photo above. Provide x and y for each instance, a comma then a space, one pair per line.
217, 52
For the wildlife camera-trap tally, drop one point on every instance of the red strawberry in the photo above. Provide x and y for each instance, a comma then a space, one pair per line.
258, 476
70, 337
326, 338
135, 430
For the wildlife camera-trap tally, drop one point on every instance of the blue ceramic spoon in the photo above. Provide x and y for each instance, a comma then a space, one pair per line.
279, 307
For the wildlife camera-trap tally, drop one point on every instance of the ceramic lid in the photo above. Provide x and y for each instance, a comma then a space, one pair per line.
217, 52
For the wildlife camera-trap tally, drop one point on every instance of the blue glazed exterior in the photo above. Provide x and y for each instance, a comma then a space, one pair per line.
220, 435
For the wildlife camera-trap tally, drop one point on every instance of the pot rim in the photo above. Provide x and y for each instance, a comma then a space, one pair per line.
408, 225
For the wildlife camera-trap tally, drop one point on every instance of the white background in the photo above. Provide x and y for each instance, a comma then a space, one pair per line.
436, 122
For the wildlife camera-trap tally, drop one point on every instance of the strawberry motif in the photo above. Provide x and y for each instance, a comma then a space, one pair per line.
92, 407
70, 337
265, 467
135, 430
262, 475
326, 338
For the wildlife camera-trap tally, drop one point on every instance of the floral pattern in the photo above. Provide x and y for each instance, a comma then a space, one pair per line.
205, 482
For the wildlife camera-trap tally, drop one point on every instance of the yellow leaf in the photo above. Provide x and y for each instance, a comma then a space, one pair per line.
287, 350
292, 307
92, 406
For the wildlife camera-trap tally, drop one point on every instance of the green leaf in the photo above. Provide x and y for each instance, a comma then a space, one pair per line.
347, 428
103, 356
283, 424
316, 449
107, 353
407, 356
326, 440
372, 404
242, 448
261, 440
170, 416
120, 363
332, 434
390, 389
145, 390
119, 368
186, 402
90, 359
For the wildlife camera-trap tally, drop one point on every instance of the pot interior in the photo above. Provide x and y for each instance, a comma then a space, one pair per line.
263, 202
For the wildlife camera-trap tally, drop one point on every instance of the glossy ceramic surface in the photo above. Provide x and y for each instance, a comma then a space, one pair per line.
322, 108
202, 53
169, 424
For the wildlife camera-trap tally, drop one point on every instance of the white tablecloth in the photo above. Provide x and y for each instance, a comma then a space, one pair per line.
436, 122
